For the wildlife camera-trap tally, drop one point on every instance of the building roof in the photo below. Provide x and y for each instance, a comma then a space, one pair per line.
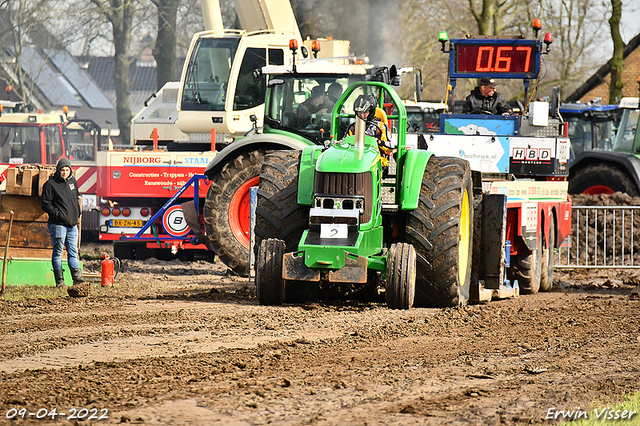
603, 74
142, 78
57, 79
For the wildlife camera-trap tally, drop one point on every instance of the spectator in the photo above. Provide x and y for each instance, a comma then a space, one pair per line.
60, 200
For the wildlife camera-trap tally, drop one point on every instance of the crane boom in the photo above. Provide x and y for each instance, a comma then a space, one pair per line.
211, 15
276, 15
254, 15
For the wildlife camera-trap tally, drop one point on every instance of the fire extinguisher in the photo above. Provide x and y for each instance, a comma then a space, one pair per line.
109, 269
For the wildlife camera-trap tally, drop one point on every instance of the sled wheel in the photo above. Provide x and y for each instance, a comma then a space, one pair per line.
546, 277
441, 230
602, 179
401, 276
270, 286
226, 210
527, 269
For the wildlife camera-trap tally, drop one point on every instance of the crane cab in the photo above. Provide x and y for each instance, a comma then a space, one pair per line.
219, 89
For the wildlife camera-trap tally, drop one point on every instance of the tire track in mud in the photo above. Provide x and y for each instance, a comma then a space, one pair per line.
150, 329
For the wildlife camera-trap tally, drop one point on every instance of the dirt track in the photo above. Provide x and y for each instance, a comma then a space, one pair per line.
183, 343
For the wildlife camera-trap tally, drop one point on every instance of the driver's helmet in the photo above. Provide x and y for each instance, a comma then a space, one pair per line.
363, 104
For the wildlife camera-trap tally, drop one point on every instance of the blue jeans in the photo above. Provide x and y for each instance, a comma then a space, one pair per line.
61, 237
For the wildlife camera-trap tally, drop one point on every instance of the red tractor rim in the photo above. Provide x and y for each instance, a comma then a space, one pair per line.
598, 189
239, 212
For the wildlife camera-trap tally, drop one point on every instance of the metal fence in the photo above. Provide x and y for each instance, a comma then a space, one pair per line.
602, 237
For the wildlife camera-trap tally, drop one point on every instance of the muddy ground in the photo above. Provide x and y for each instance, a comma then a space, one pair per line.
186, 343
178, 343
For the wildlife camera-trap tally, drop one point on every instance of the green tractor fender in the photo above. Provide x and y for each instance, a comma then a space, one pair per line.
306, 175
253, 142
414, 165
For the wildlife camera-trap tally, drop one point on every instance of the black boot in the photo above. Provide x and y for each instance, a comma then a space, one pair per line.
76, 274
58, 275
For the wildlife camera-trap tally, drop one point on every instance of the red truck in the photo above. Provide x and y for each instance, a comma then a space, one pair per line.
134, 185
36, 138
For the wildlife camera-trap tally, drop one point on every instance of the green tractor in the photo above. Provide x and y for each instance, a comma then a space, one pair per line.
332, 220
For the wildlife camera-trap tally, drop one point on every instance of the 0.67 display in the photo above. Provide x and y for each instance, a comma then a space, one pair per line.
500, 59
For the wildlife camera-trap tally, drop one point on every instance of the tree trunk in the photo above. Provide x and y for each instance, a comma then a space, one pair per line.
121, 20
165, 49
486, 17
616, 62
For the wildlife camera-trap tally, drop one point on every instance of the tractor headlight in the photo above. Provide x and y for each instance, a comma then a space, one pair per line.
353, 202
336, 209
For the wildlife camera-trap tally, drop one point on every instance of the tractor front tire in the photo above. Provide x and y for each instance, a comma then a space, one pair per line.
441, 230
400, 287
270, 286
226, 210
602, 179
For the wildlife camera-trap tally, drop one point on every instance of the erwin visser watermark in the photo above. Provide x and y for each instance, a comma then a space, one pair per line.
600, 413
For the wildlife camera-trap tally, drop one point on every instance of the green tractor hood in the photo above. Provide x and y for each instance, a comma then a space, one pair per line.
345, 158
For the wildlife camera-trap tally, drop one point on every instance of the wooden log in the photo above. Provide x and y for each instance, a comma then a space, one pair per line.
26, 209
22, 180
32, 253
26, 234
45, 173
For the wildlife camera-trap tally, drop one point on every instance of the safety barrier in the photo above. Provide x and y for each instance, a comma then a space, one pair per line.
602, 237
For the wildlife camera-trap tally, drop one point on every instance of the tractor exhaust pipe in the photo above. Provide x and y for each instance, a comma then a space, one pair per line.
359, 132
359, 137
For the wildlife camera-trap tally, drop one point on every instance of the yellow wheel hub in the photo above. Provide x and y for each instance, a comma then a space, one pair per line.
465, 238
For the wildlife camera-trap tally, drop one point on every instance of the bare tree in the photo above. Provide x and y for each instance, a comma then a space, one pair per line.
577, 27
165, 49
616, 62
120, 14
26, 45
494, 17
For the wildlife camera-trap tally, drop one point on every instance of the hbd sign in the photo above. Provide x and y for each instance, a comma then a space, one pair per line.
531, 154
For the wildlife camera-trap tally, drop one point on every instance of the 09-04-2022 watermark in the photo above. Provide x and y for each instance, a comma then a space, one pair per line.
600, 414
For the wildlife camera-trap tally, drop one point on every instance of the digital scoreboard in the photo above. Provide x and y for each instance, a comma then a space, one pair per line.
495, 58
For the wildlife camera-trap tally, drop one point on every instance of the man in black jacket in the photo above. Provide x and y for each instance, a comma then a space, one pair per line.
485, 99
60, 201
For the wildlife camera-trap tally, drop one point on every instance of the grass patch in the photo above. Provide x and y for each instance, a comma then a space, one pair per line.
607, 413
24, 292
124, 286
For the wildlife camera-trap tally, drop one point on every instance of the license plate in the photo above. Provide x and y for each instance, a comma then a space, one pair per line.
126, 223
334, 230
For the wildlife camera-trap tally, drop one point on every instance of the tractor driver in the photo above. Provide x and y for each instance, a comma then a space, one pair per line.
376, 124
485, 100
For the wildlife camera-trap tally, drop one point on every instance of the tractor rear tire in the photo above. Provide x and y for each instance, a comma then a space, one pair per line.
441, 230
548, 245
278, 214
527, 269
226, 210
270, 286
602, 179
400, 287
